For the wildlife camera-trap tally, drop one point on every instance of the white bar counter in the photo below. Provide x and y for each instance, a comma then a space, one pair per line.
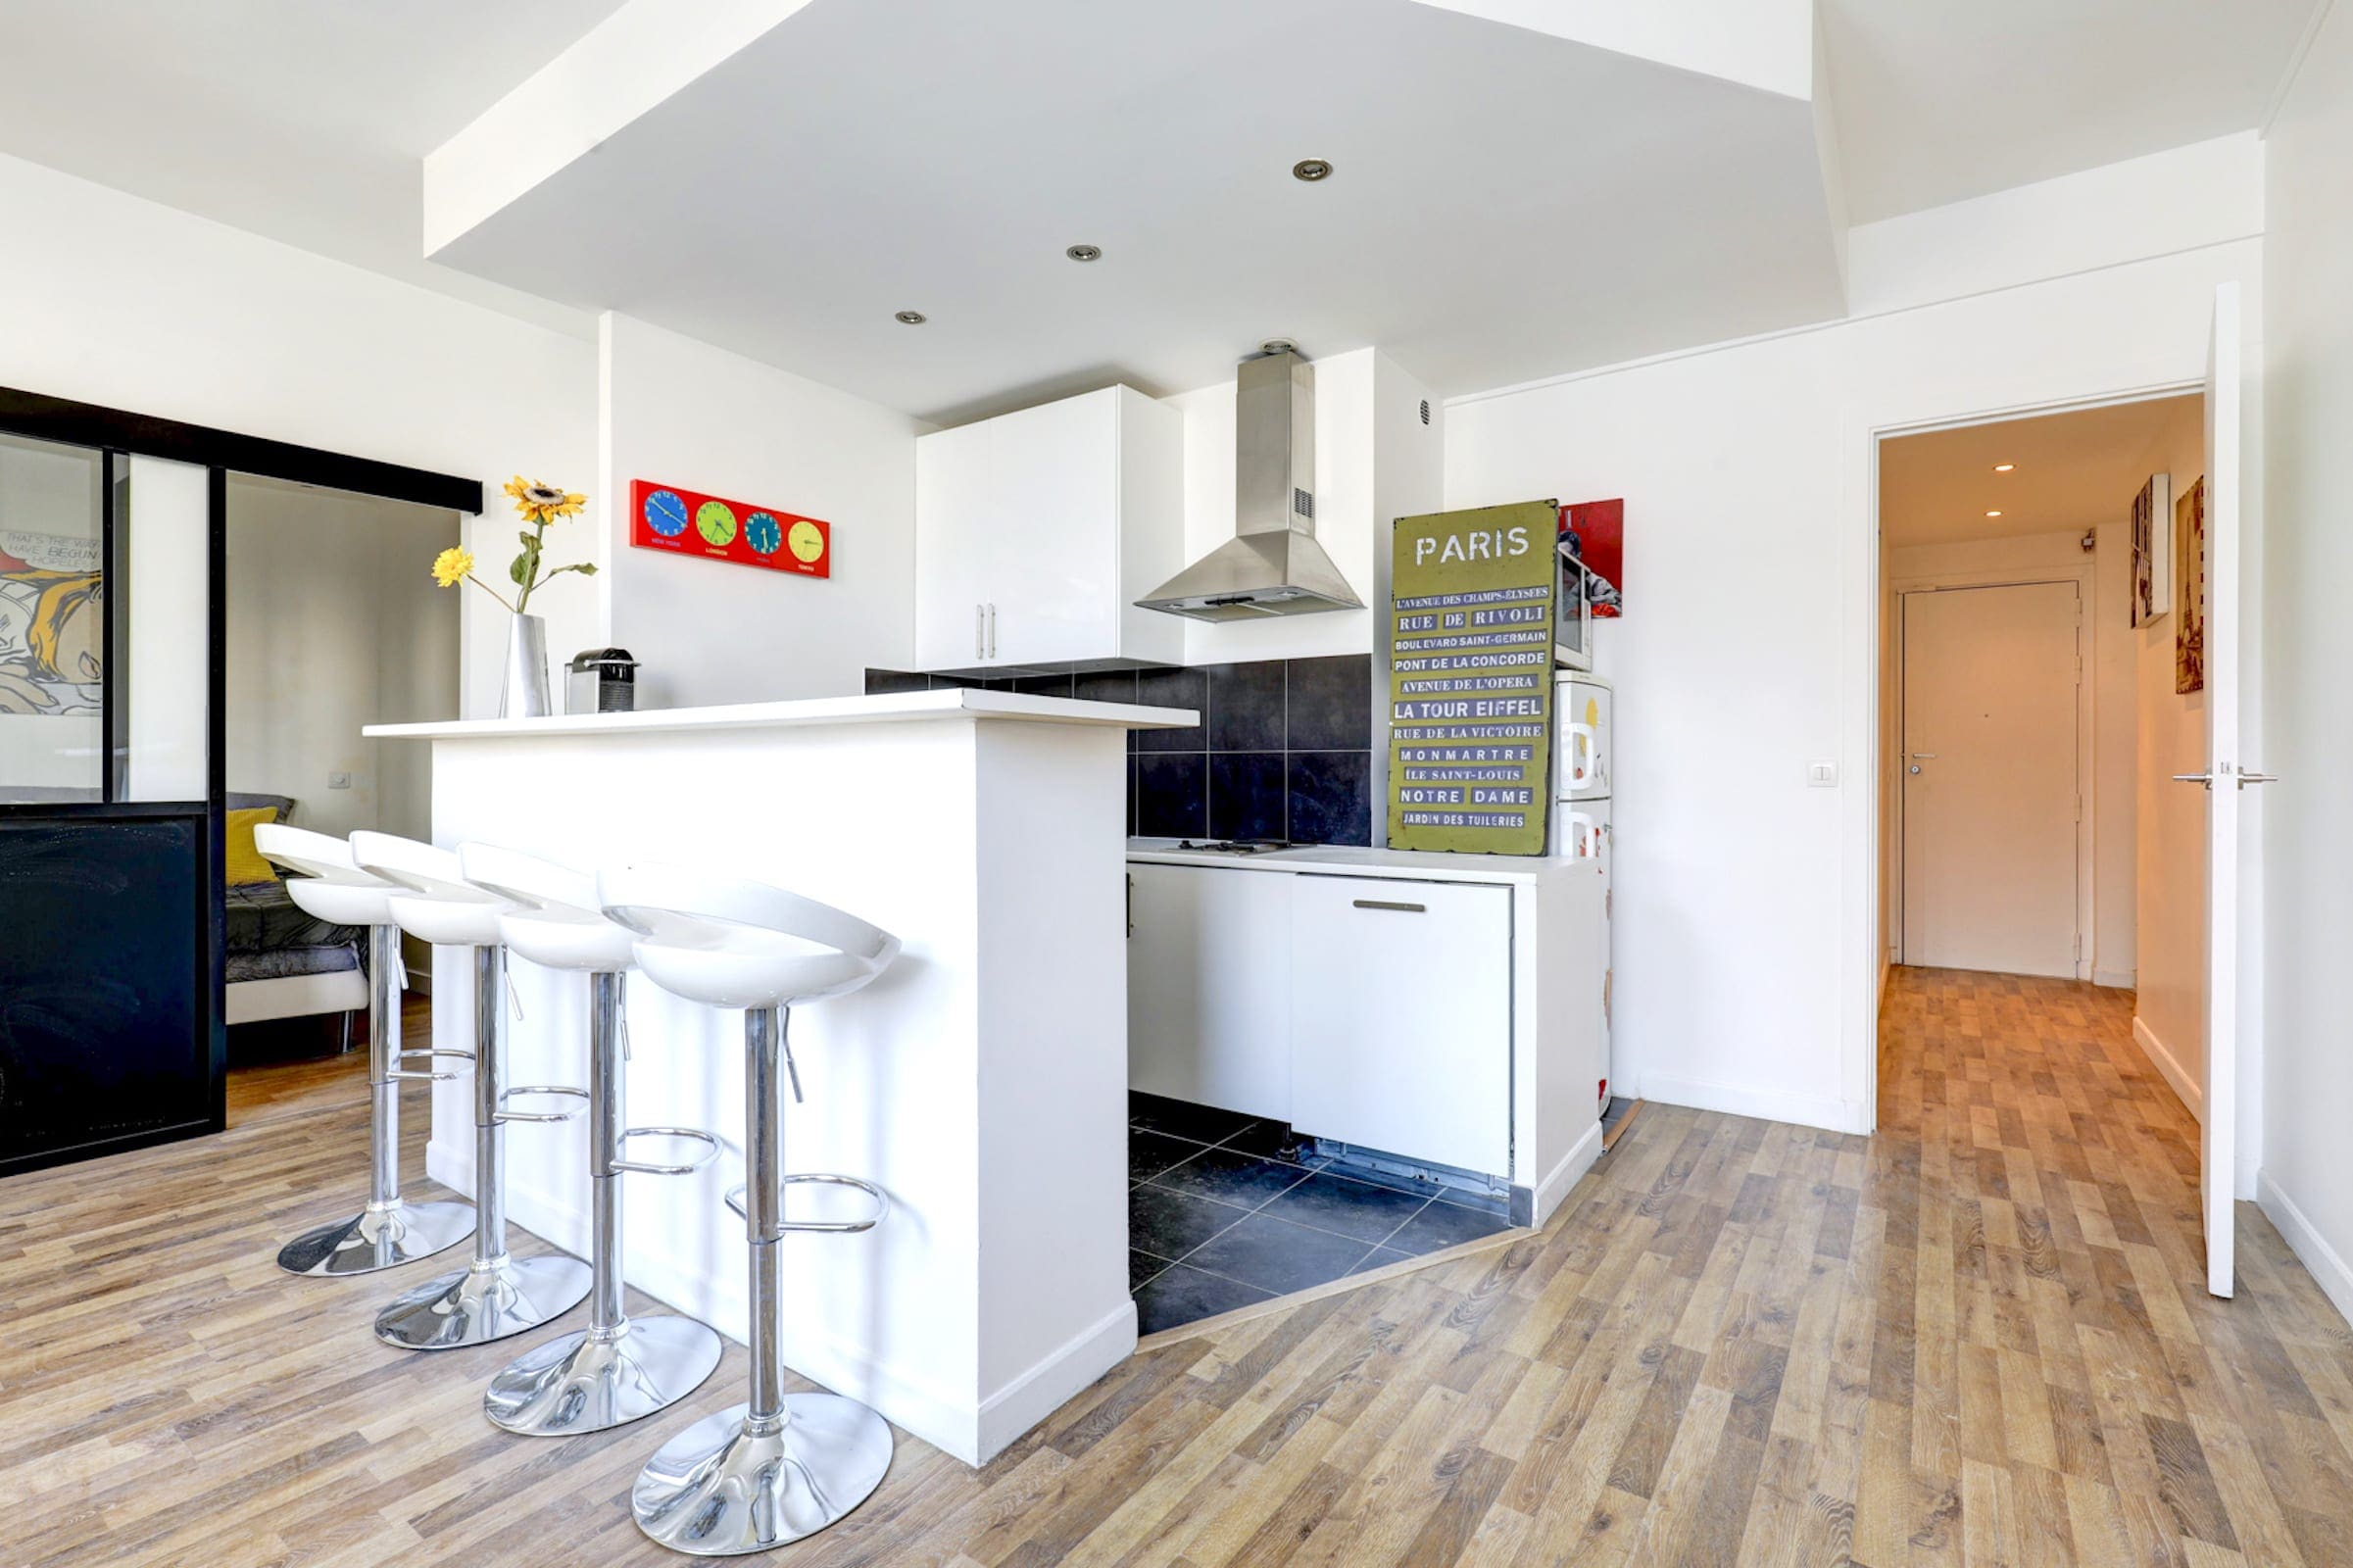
982, 1080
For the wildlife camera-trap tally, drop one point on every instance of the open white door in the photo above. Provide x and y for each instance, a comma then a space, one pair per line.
2224, 777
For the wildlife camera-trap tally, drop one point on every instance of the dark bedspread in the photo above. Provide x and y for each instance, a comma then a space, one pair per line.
268, 937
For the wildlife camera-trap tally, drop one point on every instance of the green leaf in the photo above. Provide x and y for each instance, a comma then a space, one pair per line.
586, 568
528, 538
520, 572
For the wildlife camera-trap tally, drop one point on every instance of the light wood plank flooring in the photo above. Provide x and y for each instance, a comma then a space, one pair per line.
1979, 1337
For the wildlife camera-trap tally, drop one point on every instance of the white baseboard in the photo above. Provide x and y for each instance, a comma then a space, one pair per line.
2169, 1067
2116, 979
1745, 1100
974, 1431
1573, 1165
2305, 1239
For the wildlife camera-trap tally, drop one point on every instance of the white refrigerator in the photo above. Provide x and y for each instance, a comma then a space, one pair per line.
1582, 764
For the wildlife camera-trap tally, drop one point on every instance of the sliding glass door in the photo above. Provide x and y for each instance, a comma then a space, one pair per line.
110, 829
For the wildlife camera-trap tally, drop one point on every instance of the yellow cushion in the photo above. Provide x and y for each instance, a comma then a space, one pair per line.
242, 864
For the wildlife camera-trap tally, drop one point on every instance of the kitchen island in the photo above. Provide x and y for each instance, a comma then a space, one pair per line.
981, 1080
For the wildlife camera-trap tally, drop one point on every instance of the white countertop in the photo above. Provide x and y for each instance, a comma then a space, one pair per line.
1419, 866
962, 702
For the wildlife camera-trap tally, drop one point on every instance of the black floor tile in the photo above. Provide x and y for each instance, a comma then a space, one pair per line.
1495, 1203
1182, 1295
1231, 1176
1170, 1224
1380, 1258
1274, 1140
1203, 1124
1150, 1153
1418, 1186
1277, 1255
1142, 1267
1355, 1209
1445, 1225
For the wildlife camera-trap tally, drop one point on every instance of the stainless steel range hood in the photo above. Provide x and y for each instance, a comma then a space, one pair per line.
1272, 565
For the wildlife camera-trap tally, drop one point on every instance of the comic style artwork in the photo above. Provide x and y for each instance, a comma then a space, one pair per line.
52, 625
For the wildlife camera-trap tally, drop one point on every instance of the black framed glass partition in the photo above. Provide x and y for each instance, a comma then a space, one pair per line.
112, 795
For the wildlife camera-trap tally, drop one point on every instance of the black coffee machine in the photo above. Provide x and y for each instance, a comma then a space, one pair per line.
600, 681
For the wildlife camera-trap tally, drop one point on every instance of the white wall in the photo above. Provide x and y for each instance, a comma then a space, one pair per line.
135, 306
678, 412
333, 623
2113, 796
2308, 645
1746, 939
2170, 1011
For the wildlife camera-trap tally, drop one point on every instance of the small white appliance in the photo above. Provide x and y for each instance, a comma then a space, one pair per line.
1583, 761
1573, 617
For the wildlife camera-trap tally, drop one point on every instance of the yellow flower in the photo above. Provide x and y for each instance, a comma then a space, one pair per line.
541, 504
453, 566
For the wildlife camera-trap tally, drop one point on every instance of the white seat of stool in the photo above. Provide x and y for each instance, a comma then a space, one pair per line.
431, 901
333, 887
730, 942
555, 920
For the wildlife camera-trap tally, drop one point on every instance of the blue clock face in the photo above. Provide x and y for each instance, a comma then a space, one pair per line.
665, 513
762, 533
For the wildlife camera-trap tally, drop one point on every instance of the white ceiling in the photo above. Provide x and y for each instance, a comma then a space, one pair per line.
1939, 101
302, 120
2073, 471
1506, 205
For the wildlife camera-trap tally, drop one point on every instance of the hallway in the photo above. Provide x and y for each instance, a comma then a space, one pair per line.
1979, 1337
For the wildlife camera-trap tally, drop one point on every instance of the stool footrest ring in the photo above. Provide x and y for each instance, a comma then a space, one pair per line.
709, 1141
405, 1075
561, 1090
831, 1227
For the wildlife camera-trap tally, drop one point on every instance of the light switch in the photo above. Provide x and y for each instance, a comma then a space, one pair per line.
338, 781
1822, 775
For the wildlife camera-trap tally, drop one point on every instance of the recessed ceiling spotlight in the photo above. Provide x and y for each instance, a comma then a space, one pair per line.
2004, 467
1085, 253
911, 317
1311, 169
1992, 514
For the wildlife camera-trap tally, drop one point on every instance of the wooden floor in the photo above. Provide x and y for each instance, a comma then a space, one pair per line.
1978, 1337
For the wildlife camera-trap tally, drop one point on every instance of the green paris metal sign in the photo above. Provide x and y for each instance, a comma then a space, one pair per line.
1470, 684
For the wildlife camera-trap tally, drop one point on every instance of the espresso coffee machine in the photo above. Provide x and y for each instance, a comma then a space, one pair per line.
600, 681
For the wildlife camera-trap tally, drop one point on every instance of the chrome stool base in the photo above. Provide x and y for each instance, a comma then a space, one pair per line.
378, 1238
719, 1488
586, 1382
479, 1303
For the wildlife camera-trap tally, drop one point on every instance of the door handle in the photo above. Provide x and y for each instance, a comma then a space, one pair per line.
1924, 756
2245, 779
1385, 903
2202, 781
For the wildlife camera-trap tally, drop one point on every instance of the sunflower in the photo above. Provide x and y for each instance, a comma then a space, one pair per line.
541, 504
453, 566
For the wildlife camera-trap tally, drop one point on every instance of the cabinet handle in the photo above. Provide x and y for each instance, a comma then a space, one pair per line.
1131, 904
980, 631
992, 631
1387, 904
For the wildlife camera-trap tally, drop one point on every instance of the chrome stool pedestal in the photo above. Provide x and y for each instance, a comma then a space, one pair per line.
496, 1294
777, 1467
619, 1369
389, 1231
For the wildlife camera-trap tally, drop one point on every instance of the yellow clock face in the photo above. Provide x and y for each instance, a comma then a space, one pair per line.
806, 540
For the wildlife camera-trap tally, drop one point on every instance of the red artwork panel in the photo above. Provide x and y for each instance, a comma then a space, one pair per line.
1598, 528
688, 522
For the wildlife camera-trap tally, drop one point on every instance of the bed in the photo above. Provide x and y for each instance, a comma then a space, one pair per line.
281, 963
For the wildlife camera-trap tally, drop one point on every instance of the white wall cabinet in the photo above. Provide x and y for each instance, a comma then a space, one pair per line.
1209, 987
1401, 1018
1036, 531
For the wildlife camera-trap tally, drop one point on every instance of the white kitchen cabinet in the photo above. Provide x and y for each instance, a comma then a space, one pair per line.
1036, 531
1208, 992
1401, 1017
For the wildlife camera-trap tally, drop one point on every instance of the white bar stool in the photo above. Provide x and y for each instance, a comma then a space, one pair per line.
388, 1232
495, 1295
619, 1368
774, 1469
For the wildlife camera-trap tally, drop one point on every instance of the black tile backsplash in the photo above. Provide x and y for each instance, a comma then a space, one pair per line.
1283, 751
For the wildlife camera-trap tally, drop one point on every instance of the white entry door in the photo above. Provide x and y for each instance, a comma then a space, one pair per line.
2227, 774
1990, 679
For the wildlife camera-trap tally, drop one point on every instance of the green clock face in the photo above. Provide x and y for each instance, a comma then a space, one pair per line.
714, 522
